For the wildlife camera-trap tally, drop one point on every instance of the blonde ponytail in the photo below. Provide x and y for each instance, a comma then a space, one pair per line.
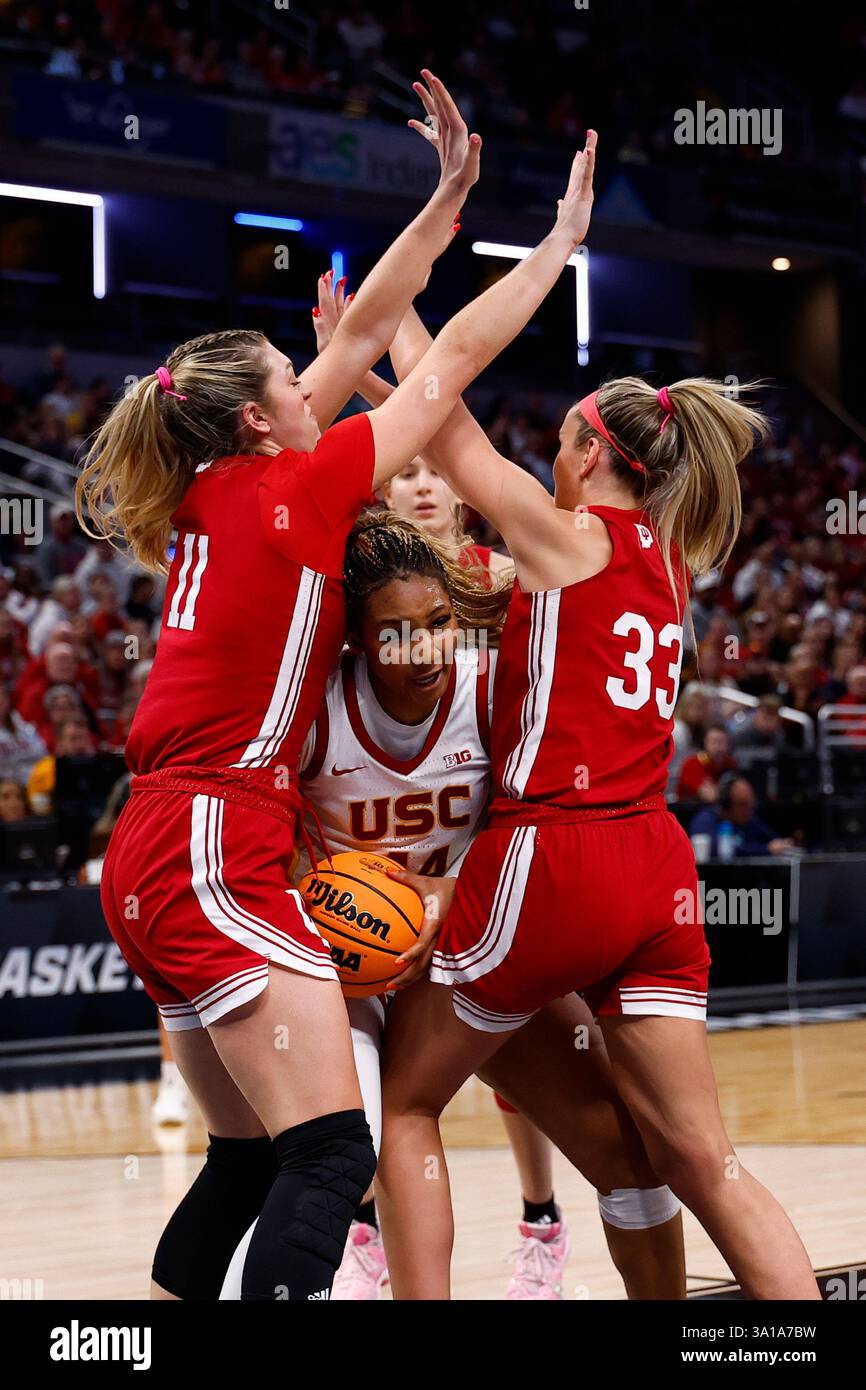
690, 489
143, 457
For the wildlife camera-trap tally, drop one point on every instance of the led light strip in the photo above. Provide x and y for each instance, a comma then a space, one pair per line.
580, 261
73, 199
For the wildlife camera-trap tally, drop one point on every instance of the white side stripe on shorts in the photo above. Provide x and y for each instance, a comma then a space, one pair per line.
495, 943
225, 913
290, 677
485, 1020
543, 633
231, 983
664, 1000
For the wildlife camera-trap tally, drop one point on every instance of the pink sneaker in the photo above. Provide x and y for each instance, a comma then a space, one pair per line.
539, 1260
364, 1270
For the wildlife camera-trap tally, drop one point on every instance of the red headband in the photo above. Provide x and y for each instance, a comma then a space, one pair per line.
589, 411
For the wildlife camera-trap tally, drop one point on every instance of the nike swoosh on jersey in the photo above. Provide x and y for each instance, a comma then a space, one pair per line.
341, 771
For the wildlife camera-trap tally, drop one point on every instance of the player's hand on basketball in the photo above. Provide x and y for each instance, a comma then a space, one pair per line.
332, 304
436, 895
575, 208
459, 152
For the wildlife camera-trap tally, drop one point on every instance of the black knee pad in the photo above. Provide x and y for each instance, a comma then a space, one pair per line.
196, 1246
325, 1167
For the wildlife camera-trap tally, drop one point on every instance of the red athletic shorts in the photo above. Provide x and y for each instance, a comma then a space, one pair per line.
197, 895
608, 907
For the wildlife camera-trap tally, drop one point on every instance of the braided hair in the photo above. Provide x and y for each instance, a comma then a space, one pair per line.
383, 546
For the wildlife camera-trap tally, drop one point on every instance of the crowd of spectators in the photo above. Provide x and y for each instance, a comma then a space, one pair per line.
52, 413
537, 71
784, 625
78, 626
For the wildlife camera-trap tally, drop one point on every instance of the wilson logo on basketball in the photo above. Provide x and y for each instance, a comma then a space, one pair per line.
341, 904
368, 918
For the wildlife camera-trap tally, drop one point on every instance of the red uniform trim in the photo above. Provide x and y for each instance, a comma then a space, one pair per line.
253, 787
507, 811
320, 747
350, 694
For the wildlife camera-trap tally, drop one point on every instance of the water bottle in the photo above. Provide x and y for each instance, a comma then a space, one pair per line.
727, 842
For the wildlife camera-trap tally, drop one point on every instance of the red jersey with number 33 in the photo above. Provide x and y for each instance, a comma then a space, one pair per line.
587, 679
253, 618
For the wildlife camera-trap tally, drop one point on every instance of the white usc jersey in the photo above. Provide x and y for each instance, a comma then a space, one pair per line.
424, 810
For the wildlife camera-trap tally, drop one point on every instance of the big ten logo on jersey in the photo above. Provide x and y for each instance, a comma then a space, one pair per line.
455, 759
645, 535
408, 817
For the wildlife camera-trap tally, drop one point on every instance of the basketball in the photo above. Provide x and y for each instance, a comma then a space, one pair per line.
367, 919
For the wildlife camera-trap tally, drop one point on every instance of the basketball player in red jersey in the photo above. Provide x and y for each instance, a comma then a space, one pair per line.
420, 493
583, 879
398, 761
222, 444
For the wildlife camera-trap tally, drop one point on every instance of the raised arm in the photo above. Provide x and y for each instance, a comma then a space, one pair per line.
366, 330
332, 307
509, 497
420, 406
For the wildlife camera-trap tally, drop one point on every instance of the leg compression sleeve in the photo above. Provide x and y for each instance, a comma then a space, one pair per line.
325, 1167
638, 1208
366, 1019
196, 1246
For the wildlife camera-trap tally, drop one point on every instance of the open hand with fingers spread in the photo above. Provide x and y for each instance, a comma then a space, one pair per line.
332, 304
575, 207
459, 152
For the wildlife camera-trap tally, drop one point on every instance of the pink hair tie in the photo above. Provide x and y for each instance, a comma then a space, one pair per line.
667, 405
163, 377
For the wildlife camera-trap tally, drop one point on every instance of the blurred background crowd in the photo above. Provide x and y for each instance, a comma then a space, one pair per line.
773, 640
625, 67
770, 730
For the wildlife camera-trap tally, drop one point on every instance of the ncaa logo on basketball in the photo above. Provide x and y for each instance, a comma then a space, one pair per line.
645, 535
455, 759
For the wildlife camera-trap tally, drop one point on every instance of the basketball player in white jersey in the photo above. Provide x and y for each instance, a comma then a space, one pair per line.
398, 760
420, 493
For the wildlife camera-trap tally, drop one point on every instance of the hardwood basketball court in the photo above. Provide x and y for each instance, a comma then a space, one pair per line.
88, 1181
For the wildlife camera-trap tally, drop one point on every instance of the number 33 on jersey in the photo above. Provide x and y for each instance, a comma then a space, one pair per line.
589, 676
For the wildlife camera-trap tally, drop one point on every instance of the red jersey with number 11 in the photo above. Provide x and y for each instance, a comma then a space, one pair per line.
587, 679
253, 618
